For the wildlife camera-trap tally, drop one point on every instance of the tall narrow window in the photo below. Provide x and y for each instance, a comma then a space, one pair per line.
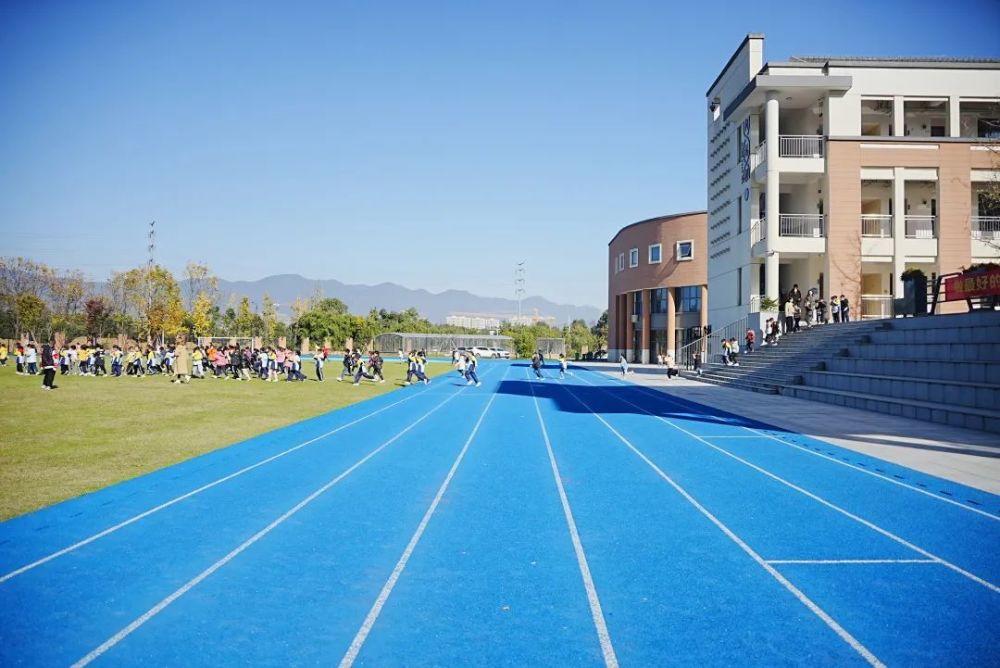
739, 286
633, 258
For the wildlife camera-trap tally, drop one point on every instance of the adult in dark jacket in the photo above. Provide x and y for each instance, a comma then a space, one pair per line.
48, 368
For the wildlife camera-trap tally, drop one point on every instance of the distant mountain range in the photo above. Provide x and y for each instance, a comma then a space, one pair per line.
285, 288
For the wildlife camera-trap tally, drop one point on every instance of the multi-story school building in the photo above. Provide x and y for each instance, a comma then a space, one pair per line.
839, 173
657, 287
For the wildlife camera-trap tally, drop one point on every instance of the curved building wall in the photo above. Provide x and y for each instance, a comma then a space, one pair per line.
655, 307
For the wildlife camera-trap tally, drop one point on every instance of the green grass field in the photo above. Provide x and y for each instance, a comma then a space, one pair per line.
93, 432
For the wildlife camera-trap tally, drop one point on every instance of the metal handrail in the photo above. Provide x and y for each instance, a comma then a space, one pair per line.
921, 227
800, 146
878, 225
800, 225
985, 227
710, 345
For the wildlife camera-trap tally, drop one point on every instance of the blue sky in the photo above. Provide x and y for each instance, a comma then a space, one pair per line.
434, 144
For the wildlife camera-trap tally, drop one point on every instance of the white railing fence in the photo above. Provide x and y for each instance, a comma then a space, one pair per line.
920, 227
758, 230
800, 146
876, 225
986, 227
875, 307
800, 225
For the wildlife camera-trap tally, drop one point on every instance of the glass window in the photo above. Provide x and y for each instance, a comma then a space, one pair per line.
621, 262
655, 251
658, 300
689, 299
633, 257
637, 304
685, 250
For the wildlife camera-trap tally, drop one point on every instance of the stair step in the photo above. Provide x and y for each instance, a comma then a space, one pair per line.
956, 416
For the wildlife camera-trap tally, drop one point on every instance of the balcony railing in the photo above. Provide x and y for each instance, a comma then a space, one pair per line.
801, 146
874, 307
758, 230
986, 228
921, 227
876, 225
800, 225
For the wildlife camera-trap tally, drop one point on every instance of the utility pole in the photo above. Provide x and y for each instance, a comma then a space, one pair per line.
150, 263
519, 272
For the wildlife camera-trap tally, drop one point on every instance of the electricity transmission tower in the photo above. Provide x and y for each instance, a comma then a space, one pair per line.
519, 272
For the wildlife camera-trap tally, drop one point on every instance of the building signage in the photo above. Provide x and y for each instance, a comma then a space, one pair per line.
745, 149
970, 286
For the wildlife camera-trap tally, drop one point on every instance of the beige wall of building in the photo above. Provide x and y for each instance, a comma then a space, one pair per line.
629, 285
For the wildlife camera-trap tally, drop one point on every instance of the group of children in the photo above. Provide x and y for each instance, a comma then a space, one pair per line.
354, 366
235, 362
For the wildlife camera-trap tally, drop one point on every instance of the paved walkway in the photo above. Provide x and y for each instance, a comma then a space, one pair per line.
961, 455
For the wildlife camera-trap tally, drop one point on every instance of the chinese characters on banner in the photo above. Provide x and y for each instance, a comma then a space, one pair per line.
969, 286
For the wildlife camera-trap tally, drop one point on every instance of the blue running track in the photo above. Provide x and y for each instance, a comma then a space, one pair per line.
574, 522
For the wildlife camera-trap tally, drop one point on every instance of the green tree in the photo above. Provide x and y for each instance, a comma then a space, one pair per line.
244, 318
154, 297
578, 337
32, 314
600, 332
269, 320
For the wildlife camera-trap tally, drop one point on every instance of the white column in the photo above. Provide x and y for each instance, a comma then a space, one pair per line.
954, 117
772, 189
898, 116
898, 229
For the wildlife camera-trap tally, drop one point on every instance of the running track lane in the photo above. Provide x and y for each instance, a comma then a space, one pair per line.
702, 538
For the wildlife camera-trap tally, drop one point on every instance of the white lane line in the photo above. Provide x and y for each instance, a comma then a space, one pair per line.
188, 495
836, 562
596, 612
853, 642
397, 571
875, 474
193, 582
854, 467
846, 513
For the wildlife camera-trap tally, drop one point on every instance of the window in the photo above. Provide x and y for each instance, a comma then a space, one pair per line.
739, 286
685, 250
689, 299
633, 258
655, 251
658, 300
621, 262
637, 303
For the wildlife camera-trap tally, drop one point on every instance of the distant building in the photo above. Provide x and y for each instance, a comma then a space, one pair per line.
473, 321
657, 286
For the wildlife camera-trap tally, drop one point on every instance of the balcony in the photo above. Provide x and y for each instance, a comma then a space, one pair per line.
802, 225
986, 228
921, 227
800, 146
758, 231
876, 307
876, 226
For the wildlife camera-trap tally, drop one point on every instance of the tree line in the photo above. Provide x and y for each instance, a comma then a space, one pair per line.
146, 303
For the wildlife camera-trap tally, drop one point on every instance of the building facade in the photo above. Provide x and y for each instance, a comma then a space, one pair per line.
657, 286
840, 173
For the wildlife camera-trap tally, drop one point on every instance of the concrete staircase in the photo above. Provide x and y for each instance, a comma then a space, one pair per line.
770, 368
942, 369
